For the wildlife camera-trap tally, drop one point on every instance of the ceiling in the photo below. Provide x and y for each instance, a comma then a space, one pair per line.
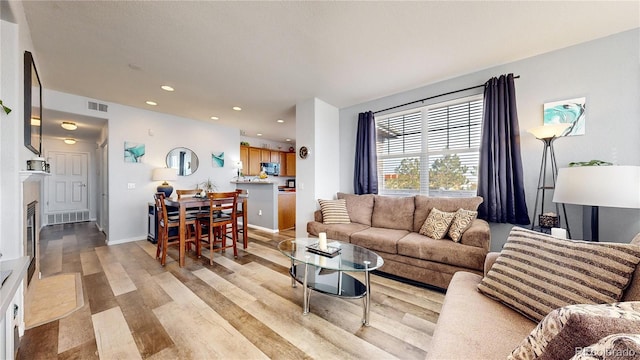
266, 56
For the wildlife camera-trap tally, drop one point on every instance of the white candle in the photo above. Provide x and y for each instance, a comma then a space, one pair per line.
322, 241
559, 233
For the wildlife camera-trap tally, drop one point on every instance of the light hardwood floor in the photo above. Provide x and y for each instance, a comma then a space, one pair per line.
242, 308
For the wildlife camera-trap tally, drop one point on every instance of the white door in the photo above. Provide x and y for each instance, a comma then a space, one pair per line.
68, 185
104, 217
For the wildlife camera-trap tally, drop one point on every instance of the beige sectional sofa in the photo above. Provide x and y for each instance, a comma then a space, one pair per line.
390, 227
472, 325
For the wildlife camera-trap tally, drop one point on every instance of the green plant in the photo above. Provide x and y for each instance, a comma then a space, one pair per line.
6, 109
208, 185
590, 163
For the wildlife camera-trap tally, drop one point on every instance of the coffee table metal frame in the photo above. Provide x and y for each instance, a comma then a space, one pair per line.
327, 274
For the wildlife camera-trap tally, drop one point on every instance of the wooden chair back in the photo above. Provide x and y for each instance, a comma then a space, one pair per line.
187, 193
223, 202
161, 210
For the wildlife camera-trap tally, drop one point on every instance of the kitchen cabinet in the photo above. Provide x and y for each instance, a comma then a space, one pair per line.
265, 155
244, 157
286, 210
283, 163
290, 167
254, 161
275, 156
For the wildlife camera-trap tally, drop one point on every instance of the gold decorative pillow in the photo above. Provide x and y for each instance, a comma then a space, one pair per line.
537, 273
461, 222
334, 211
437, 224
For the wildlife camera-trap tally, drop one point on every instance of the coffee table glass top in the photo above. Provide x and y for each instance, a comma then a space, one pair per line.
350, 258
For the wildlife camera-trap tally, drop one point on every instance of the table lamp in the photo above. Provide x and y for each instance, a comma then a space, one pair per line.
548, 134
595, 186
165, 174
238, 165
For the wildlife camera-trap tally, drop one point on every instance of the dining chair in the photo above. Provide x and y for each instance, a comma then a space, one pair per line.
166, 222
192, 213
222, 218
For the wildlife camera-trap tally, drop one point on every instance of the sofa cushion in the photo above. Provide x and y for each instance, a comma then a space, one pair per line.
566, 329
442, 251
437, 224
334, 211
379, 239
359, 207
537, 273
474, 326
616, 346
340, 232
424, 204
393, 213
478, 234
461, 222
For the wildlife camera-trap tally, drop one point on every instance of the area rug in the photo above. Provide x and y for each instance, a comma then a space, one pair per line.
52, 298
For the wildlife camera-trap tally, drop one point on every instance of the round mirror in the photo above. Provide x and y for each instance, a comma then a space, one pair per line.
184, 160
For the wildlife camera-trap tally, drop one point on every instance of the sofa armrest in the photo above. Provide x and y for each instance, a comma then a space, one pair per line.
317, 216
489, 260
478, 235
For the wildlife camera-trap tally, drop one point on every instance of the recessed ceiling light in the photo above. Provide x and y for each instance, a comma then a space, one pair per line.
152, 103
237, 108
215, 118
167, 88
69, 141
259, 134
280, 121
287, 139
68, 125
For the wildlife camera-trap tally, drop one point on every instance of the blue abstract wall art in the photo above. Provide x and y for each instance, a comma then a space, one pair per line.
217, 159
133, 152
570, 111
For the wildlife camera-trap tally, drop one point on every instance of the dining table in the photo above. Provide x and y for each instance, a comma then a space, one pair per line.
185, 203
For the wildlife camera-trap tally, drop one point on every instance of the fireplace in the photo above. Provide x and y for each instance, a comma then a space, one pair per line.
30, 245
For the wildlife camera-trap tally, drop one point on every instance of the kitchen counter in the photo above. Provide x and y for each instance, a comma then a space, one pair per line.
18, 269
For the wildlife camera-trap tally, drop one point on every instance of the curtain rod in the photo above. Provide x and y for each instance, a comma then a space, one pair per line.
435, 96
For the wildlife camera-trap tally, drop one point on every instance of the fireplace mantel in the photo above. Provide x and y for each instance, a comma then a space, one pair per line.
32, 175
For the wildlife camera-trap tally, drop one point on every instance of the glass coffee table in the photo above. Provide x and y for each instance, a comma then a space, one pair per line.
326, 274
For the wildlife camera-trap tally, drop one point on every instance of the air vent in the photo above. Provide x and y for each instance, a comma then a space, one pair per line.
97, 106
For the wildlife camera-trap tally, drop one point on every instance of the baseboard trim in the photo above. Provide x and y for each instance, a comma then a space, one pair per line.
273, 231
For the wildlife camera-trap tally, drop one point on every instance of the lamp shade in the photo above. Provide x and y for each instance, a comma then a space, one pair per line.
608, 186
164, 174
238, 165
548, 131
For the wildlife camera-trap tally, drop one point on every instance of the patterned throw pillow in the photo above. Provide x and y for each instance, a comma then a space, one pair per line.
334, 211
616, 346
537, 273
437, 224
568, 329
461, 222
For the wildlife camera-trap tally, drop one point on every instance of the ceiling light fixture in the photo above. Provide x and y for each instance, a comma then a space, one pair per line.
280, 121
69, 141
35, 122
68, 125
259, 134
152, 103
215, 118
287, 139
167, 88
237, 108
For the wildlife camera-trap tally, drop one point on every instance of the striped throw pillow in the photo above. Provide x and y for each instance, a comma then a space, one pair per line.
537, 273
334, 211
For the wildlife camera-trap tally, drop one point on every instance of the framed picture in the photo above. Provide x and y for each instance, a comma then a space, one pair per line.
133, 152
570, 111
217, 159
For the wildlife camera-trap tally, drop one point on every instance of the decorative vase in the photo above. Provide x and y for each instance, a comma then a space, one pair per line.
165, 188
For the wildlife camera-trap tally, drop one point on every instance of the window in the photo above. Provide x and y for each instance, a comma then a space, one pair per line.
433, 150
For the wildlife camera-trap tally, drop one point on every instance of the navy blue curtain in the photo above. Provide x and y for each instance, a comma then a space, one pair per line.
365, 174
500, 179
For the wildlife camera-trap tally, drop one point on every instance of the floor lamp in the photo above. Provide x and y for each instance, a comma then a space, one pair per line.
608, 186
548, 134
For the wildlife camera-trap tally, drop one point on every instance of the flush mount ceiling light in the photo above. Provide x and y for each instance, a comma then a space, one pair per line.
68, 125
69, 141
287, 139
152, 103
215, 118
280, 121
167, 88
237, 108
35, 122
259, 134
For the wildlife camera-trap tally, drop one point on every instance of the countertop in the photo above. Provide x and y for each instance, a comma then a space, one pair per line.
8, 290
257, 182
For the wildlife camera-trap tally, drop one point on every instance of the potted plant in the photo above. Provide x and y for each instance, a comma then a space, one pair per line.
207, 186
4, 108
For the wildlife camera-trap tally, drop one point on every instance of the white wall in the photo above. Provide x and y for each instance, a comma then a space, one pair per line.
160, 133
606, 71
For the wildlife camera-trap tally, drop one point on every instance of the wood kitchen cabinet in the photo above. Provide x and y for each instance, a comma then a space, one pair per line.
265, 155
290, 167
254, 161
275, 156
244, 157
286, 210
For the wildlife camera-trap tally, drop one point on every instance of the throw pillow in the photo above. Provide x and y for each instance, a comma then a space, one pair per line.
437, 224
537, 273
461, 222
334, 211
616, 346
566, 330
